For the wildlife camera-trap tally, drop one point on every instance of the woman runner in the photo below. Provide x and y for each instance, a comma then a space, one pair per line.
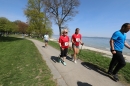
64, 45
76, 41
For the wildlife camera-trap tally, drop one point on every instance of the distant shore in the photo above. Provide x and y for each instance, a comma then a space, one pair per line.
105, 52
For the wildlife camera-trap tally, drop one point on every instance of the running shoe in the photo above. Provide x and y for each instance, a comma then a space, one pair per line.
64, 63
116, 77
110, 73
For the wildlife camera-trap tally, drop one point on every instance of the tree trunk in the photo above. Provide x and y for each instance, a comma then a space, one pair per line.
60, 30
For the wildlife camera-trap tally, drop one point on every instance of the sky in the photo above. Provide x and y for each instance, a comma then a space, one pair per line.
96, 18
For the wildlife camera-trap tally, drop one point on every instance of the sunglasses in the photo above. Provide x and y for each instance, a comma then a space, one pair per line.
66, 32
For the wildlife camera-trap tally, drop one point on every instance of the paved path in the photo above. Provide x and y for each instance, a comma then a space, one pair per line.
80, 74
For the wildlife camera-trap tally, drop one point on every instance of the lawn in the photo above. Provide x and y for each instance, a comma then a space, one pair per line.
22, 65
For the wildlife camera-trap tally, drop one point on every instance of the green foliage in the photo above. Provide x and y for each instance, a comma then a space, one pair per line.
21, 64
38, 22
7, 26
4, 24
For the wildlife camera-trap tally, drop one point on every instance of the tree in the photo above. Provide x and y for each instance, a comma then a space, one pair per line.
14, 27
3, 24
37, 21
61, 10
7, 26
22, 27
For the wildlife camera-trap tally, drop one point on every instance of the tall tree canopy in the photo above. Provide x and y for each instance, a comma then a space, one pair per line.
4, 24
38, 23
61, 10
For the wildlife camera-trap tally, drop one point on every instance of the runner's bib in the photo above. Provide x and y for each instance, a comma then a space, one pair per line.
66, 43
77, 40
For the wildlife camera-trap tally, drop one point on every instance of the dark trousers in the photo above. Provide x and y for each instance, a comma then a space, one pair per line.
64, 52
117, 61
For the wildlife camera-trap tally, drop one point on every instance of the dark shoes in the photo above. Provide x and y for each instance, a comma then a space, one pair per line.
115, 76
110, 73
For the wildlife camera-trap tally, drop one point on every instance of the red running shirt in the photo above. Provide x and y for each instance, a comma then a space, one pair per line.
76, 38
64, 40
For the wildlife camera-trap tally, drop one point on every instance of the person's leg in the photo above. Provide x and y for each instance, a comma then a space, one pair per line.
112, 64
61, 54
121, 63
75, 51
64, 55
46, 43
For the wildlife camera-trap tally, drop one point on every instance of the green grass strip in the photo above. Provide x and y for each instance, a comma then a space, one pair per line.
21, 64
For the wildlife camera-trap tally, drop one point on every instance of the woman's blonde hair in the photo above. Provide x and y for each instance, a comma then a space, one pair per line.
64, 30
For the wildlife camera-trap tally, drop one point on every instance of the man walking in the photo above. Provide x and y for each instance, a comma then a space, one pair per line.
46, 38
117, 42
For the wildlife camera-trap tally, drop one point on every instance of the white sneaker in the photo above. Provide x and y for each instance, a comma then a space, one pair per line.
75, 61
64, 63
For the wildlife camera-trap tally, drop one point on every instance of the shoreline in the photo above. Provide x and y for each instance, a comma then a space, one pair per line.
105, 52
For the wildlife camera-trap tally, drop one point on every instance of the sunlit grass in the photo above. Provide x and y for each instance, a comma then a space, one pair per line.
22, 65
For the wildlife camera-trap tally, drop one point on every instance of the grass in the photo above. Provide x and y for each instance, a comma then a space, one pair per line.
99, 61
22, 65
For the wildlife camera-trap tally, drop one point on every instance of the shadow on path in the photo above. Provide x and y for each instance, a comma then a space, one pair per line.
43, 46
54, 59
69, 58
101, 71
79, 83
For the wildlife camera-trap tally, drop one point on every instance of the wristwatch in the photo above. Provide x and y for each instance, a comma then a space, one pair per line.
112, 50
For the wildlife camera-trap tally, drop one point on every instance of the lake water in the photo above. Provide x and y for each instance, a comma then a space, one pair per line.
99, 42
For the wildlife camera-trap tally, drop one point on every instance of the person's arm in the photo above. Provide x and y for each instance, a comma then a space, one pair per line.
81, 40
112, 46
68, 42
48, 37
72, 39
60, 42
44, 36
127, 45
113, 38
